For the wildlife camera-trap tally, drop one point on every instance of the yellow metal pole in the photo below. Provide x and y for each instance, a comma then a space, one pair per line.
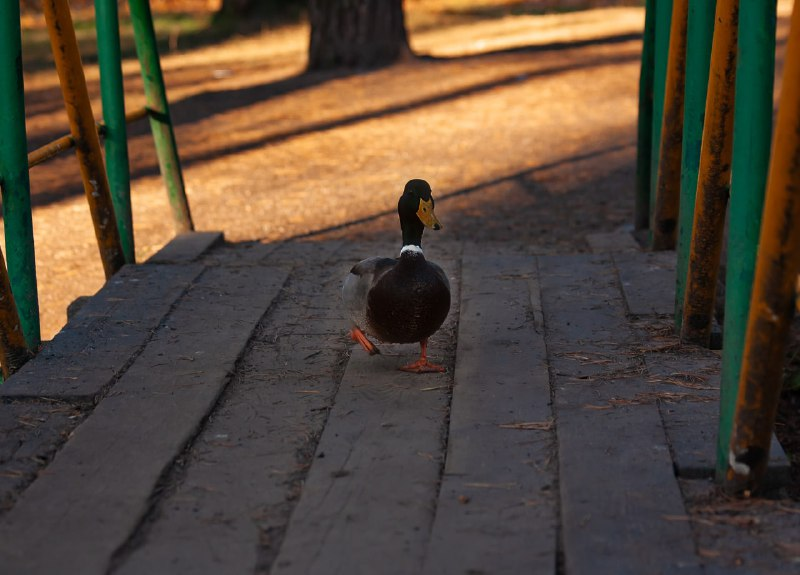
64, 143
668, 186
14, 350
772, 302
84, 132
714, 178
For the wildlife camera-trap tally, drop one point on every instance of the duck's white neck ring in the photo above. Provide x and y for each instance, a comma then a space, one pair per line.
411, 248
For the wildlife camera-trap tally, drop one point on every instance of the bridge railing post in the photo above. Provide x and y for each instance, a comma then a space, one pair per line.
752, 133
774, 288
84, 132
14, 179
115, 126
158, 109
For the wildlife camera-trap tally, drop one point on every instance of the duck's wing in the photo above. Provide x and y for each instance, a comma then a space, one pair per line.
358, 283
440, 272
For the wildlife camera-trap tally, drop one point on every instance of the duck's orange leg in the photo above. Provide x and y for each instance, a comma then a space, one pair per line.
357, 335
422, 365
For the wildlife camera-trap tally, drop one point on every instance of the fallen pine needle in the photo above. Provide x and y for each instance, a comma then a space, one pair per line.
491, 485
529, 425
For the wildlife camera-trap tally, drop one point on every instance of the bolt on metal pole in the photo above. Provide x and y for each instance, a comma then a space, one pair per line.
752, 133
115, 128
700, 31
668, 183
773, 300
14, 179
84, 132
713, 179
160, 121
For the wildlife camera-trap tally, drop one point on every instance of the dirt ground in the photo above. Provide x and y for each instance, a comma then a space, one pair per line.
524, 124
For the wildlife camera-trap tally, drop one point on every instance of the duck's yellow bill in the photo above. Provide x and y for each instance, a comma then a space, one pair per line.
426, 215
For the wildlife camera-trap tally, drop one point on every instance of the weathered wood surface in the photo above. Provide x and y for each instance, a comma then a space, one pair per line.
367, 504
616, 480
186, 247
225, 512
293, 459
648, 285
98, 487
648, 281
89, 354
496, 510
612, 242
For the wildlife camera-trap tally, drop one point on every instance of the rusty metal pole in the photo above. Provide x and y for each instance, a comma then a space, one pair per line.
14, 351
668, 185
771, 307
713, 182
699, 33
84, 132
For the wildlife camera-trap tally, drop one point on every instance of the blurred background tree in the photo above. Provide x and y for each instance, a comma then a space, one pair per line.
356, 33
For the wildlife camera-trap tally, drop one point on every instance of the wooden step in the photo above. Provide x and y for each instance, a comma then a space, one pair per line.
367, 504
617, 485
226, 508
496, 510
94, 493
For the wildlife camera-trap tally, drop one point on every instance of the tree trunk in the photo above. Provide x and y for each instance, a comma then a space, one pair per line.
235, 8
356, 33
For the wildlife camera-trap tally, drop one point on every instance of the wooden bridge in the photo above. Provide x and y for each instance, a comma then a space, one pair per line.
206, 413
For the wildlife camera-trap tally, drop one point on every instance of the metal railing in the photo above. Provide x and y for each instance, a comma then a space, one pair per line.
107, 192
720, 82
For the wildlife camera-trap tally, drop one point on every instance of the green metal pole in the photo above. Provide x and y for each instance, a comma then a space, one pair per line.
115, 129
663, 23
160, 122
644, 139
752, 133
700, 33
774, 289
14, 175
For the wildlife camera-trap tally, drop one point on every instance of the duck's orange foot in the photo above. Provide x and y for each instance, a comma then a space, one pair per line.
422, 366
357, 335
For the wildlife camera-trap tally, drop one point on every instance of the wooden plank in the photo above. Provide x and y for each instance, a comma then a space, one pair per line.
231, 504
617, 241
648, 282
94, 493
367, 503
95, 347
616, 479
496, 508
186, 247
691, 424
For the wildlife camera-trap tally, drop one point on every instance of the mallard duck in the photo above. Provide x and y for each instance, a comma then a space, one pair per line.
404, 299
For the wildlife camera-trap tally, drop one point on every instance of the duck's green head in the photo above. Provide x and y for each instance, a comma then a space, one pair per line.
415, 209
